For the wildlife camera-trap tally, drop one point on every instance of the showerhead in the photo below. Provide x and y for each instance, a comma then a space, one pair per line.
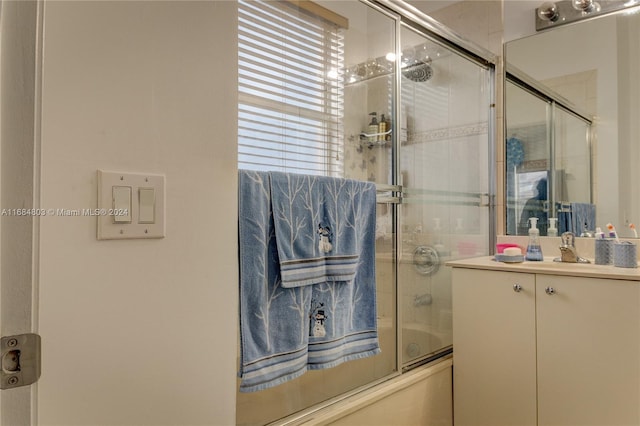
418, 71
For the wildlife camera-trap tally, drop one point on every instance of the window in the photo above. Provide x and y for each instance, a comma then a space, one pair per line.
290, 89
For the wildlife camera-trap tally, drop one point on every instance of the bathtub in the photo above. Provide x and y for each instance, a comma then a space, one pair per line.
422, 396
315, 388
420, 341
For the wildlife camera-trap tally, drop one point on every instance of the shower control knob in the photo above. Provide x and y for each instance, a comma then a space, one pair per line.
517, 288
550, 291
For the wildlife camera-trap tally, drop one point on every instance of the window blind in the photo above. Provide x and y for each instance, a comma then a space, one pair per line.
291, 100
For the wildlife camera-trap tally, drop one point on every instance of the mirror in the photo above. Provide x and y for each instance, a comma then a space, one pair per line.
594, 64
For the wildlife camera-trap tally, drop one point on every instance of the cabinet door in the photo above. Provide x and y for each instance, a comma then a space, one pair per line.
588, 351
494, 361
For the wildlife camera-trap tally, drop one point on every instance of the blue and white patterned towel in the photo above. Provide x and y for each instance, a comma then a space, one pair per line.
286, 331
319, 222
273, 321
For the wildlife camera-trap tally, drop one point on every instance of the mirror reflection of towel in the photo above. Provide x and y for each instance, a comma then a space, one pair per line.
564, 222
576, 217
583, 218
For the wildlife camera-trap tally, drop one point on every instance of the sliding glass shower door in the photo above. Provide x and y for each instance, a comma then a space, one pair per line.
444, 167
329, 124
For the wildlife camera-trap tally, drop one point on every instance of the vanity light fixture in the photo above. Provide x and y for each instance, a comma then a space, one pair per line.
548, 12
551, 14
586, 6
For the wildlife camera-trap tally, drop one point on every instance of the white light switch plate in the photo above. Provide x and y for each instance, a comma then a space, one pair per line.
108, 229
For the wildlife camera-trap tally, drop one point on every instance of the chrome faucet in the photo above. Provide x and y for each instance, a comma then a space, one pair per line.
568, 252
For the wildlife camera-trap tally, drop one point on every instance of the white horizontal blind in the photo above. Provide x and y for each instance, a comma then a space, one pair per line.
290, 90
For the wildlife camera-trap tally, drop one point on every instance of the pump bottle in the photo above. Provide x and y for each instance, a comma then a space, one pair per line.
534, 251
382, 128
373, 127
552, 231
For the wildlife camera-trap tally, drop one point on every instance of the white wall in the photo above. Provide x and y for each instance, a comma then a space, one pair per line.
139, 331
519, 18
479, 21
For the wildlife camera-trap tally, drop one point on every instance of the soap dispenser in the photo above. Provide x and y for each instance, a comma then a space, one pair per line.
552, 231
534, 251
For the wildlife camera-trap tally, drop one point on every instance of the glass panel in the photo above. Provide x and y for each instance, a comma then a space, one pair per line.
527, 160
572, 158
316, 386
369, 121
444, 166
369, 37
572, 167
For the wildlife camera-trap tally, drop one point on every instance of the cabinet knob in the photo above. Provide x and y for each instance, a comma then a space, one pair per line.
517, 288
550, 291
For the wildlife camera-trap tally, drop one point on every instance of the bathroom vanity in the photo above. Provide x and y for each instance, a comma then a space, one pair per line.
545, 343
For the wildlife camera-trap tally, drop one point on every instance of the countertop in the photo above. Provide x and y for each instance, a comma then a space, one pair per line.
549, 267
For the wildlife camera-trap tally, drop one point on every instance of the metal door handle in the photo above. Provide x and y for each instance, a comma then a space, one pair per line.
517, 288
550, 291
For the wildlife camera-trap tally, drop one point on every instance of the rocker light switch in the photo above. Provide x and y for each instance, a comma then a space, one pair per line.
121, 204
130, 205
147, 208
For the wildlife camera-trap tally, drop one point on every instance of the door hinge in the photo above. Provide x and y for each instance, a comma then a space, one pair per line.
20, 360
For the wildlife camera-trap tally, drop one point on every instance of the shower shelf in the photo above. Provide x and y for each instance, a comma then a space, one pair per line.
364, 139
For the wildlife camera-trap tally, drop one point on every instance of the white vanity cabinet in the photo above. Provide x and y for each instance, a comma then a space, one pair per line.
494, 348
539, 348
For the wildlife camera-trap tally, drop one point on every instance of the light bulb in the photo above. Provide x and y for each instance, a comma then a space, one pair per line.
548, 11
586, 6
